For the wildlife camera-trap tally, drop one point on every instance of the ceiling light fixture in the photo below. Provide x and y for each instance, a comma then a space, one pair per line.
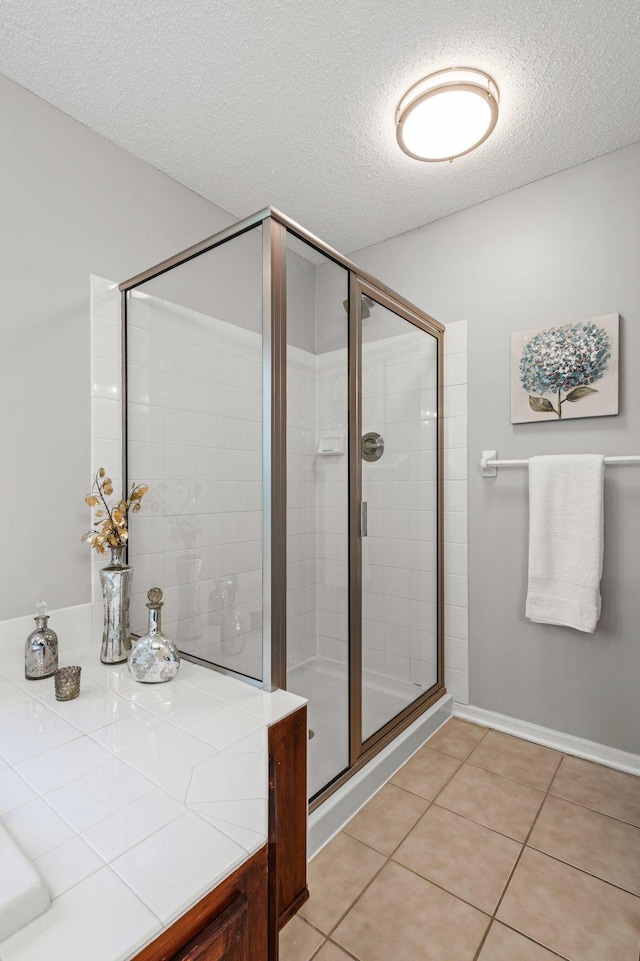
447, 114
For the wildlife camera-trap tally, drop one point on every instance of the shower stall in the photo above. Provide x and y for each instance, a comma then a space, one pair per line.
285, 409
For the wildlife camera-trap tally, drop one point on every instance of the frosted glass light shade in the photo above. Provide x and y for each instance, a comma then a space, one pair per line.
447, 114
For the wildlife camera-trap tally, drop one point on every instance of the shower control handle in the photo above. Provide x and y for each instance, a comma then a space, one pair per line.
372, 446
363, 519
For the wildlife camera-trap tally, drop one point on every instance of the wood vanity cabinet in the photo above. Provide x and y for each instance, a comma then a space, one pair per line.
287, 817
240, 919
229, 924
225, 939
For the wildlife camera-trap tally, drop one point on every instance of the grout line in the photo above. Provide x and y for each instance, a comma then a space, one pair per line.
315, 953
575, 867
115, 874
389, 857
509, 777
398, 788
554, 857
436, 884
487, 827
585, 807
103, 864
344, 950
526, 937
518, 859
523, 845
529, 938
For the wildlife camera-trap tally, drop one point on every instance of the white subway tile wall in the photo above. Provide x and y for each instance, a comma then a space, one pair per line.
303, 539
195, 388
332, 475
195, 436
399, 573
399, 640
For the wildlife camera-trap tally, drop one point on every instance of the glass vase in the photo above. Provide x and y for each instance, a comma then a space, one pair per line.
116, 579
154, 658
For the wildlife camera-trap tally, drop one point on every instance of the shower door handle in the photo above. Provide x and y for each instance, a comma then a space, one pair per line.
363, 519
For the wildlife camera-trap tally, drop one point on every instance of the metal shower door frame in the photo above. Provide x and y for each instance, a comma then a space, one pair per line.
275, 226
361, 750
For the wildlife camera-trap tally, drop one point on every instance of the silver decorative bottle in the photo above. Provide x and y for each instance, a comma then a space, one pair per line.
41, 649
154, 658
116, 589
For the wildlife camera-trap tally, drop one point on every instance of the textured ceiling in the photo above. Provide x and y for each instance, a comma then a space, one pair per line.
291, 102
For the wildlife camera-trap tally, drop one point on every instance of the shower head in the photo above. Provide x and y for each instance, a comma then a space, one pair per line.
367, 305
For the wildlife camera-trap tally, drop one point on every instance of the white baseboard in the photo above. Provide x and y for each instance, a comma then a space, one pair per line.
340, 807
567, 743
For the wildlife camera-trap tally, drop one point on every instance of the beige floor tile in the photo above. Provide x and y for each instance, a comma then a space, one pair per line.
503, 944
498, 802
384, 821
465, 858
336, 876
457, 738
599, 788
298, 940
513, 757
331, 952
593, 842
426, 773
401, 916
579, 917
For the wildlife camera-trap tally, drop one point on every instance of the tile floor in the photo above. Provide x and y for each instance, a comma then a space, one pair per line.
482, 847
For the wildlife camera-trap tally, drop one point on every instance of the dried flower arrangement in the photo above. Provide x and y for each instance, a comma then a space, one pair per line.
111, 519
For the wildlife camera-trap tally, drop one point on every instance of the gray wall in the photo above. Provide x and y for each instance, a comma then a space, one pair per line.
561, 249
72, 204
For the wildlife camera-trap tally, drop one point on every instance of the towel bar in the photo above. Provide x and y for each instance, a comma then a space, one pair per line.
489, 463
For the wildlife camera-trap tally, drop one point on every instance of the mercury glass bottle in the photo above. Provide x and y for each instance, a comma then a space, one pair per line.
116, 592
41, 649
154, 658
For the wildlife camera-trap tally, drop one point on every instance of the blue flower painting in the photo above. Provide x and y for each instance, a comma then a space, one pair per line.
567, 365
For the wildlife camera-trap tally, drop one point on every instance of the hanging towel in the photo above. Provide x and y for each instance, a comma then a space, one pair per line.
565, 540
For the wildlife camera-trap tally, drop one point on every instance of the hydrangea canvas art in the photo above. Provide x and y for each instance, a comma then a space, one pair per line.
560, 373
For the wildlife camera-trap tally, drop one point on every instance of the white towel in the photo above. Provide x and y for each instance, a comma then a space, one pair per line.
565, 540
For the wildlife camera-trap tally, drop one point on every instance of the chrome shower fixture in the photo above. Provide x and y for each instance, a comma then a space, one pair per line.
372, 446
367, 305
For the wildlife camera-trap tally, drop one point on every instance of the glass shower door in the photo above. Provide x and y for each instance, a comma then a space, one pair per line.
398, 535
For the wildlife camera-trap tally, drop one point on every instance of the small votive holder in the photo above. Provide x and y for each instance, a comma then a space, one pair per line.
67, 683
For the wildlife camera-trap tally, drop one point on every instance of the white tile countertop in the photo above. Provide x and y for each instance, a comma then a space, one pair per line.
132, 801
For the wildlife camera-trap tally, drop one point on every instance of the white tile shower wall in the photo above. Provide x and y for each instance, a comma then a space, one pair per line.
195, 436
302, 528
399, 633
193, 535
195, 432
400, 553
332, 473
456, 584
398, 598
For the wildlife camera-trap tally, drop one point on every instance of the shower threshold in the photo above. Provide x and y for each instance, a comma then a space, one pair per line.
324, 682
